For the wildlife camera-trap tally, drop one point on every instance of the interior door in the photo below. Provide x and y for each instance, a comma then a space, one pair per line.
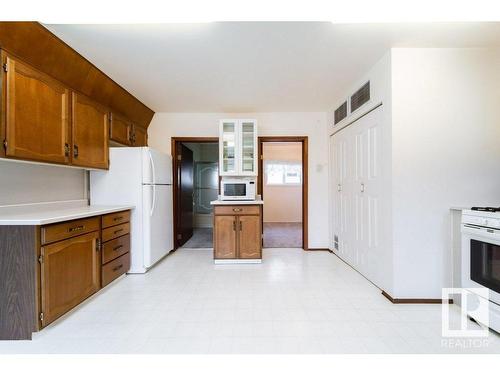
185, 172
37, 125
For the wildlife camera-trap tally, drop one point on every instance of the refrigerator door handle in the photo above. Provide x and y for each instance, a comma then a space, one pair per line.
153, 203
151, 161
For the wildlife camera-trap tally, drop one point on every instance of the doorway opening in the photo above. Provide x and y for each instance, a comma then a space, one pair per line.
282, 182
196, 184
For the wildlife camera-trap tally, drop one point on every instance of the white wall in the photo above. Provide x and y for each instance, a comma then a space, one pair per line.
283, 203
33, 183
446, 148
311, 124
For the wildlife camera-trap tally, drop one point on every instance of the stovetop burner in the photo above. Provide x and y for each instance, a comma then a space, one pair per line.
486, 209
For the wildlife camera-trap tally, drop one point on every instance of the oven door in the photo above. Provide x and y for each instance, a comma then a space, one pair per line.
234, 190
481, 259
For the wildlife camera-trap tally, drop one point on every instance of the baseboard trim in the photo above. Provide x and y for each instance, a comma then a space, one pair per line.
319, 249
414, 300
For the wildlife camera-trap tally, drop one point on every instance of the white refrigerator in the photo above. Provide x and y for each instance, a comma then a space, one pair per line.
142, 177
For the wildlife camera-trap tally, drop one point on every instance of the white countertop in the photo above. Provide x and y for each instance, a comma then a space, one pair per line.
41, 214
236, 203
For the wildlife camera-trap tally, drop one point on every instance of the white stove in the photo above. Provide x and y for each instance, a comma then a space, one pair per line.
481, 258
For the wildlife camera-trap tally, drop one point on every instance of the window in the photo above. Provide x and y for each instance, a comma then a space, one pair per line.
283, 172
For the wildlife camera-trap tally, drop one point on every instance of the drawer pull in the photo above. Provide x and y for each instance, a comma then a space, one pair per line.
118, 218
237, 210
74, 229
118, 231
117, 247
117, 268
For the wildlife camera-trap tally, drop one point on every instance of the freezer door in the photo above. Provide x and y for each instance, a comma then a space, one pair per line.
158, 224
157, 167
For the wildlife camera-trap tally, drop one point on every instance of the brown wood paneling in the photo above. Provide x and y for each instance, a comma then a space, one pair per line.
89, 130
115, 268
37, 46
70, 272
237, 210
115, 248
249, 246
17, 282
115, 218
120, 130
68, 229
116, 231
225, 237
36, 114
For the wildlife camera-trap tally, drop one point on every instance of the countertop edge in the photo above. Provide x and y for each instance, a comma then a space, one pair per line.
236, 203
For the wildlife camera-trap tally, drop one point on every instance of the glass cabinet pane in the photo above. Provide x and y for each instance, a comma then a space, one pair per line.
229, 147
248, 147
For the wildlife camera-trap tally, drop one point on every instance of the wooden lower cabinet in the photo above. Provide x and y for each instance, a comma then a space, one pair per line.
238, 232
70, 272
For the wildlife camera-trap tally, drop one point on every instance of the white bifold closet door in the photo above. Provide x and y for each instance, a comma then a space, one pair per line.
357, 185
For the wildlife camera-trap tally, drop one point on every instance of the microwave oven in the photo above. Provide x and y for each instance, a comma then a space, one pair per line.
242, 188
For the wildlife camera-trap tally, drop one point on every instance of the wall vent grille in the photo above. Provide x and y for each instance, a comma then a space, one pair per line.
340, 113
360, 97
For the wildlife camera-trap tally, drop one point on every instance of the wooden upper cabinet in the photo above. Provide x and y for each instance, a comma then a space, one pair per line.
36, 114
90, 123
70, 272
225, 237
140, 136
120, 130
250, 237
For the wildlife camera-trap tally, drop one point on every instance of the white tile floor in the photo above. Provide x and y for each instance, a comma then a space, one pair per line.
295, 302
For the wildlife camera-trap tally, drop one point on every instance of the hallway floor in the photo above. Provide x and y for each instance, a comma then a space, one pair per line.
282, 235
294, 302
202, 239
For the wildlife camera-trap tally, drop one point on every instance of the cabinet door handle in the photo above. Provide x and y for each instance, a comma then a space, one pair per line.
117, 218
117, 268
116, 248
339, 187
66, 149
234, 225
118, 231
241, 226
362, 187
74, 229
75, 151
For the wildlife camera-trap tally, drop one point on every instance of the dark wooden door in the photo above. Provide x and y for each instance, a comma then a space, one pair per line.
225, 237
70, 272
185, 167
36, 115
249, 237
90, 133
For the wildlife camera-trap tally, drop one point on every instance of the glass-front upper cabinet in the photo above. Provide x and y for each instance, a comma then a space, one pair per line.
228, 139
238, 147
248, 149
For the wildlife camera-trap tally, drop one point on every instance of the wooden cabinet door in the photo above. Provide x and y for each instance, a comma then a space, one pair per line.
36, 106
140, 136
89, 133
120, 130
225, 237
249, 237
70, 272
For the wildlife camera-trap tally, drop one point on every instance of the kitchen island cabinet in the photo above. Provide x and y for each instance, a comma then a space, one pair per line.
237, 232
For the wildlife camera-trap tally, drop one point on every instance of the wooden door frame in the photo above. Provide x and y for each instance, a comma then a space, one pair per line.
305, 180
175, 142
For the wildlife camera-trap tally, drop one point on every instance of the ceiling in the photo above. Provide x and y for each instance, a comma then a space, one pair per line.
252, 66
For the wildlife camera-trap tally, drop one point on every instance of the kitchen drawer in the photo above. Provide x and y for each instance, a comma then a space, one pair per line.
114, 269
115, 218
114, 232
115, 248
68, 229
237, 210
